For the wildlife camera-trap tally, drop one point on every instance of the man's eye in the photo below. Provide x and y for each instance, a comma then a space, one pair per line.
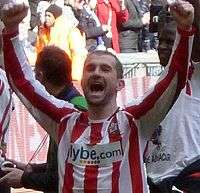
106, 68
90, 68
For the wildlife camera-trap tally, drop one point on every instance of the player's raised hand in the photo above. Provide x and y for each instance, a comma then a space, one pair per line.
13, 13
183, 13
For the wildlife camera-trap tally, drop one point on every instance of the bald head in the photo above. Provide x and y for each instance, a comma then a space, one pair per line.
119, 67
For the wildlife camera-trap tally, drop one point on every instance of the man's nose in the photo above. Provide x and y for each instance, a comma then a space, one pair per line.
97, 71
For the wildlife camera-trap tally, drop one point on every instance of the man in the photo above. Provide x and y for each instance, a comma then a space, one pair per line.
112, 13
129, 31
53, 70
58, 31
166, 35
89, 24
99, 150
173, 156
34, 17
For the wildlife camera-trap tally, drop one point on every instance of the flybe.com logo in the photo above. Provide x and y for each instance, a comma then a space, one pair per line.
100, 154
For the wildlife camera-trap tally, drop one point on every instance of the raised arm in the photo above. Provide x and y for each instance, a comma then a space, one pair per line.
46, 109
152, 109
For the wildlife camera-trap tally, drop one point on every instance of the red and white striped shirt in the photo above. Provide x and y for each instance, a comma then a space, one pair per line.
104, 156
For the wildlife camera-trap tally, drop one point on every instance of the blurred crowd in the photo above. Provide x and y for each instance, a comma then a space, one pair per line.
82, 26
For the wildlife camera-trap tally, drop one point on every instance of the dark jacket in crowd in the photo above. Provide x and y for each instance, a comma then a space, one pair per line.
44, 177
129, 30
34, 16
88, 25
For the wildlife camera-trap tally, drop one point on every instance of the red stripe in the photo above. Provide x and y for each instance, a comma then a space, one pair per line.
179, 65
180, 60
68, 179
12, 66
190, 73
188, 89
113, 137
90, 179
62, 128
80, 126
91, 172
134, 159
115, 177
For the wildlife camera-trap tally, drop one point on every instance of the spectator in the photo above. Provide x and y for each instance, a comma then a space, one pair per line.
53, 70
130, 30
41, 9
34, 16
37, 17
112, 13
144, 38
99, 150
89, 24
44, 4
166, 35
59, 32
173, 155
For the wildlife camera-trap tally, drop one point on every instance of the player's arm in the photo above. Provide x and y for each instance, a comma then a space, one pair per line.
153, 107
46, 109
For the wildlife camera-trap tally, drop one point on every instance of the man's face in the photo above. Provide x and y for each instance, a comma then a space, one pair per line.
49, 19
100, 83
167, 34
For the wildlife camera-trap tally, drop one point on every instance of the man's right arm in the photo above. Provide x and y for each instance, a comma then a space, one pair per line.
46, 109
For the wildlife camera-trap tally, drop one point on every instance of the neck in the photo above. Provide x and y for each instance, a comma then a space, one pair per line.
102, 111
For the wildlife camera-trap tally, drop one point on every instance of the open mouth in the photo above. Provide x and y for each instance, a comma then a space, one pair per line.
97, 87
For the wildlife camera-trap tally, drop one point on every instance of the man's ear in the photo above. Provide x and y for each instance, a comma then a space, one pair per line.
39, 75
120, 84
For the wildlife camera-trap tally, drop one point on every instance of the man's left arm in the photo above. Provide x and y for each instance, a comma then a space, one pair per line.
152, 109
